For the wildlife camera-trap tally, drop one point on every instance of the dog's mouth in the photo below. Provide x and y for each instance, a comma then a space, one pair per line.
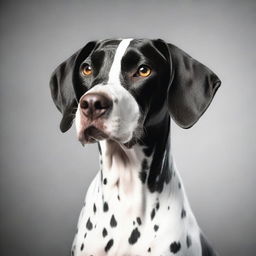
92, 132
91, 135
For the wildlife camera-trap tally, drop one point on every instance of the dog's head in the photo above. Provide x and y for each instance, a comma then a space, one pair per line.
116, 88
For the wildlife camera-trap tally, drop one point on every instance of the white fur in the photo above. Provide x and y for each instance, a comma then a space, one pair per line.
125, 114
115, 70
135, 200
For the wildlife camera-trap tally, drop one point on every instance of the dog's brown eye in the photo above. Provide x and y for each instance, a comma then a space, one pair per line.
144, 71
86, 70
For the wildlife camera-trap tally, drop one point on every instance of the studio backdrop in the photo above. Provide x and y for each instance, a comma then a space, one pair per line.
45, 174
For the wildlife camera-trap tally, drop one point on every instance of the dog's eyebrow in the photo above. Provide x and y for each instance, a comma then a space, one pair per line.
131, 59
97, 58
153, 54
110, 43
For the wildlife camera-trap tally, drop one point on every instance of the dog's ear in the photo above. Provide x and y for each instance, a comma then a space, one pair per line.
62, 85
192, 87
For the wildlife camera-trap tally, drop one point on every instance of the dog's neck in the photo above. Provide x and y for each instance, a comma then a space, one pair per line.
146, 165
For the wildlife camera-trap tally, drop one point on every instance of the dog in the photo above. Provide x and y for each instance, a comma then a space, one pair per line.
122, 94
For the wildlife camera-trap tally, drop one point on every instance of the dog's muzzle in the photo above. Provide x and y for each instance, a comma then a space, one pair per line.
94, 107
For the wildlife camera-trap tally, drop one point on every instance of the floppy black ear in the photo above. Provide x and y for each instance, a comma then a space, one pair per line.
192, 88
62, 86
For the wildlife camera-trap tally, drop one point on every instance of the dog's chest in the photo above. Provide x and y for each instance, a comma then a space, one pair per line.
116, 226
135, 225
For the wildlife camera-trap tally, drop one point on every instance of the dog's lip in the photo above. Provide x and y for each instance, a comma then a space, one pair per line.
91, 135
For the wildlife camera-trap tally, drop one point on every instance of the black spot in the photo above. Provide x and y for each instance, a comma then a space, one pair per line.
153, 214
144, 168
133, 223
148, 151
85, 235
157, 205
134, 236
156, 227
144, 164
105, 207
72, 253
104, 232
139, 220
105, 181
183, 213
82, 247
175, 247
89, 224
149, 249
168, 208
113, 222
118, 197
188, 241
94, 208
99, 149
109, 245
143, 176
101, 175
179, 185
160, 171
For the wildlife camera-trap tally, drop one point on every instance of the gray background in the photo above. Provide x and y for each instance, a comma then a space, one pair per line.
45, 174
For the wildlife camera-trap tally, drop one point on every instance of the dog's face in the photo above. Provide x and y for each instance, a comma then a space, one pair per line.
118, 82
115, 88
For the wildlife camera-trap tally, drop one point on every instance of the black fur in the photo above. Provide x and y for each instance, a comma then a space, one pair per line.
61, 85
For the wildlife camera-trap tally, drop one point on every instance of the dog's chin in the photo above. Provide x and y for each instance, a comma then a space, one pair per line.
91, 135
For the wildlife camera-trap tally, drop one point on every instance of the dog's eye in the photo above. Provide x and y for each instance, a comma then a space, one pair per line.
86, 70
144, 71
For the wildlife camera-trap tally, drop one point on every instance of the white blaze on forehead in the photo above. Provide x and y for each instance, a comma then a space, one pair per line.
115, 70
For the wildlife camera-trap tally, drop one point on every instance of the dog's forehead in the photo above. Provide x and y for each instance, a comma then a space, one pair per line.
134, 50
108, 43
114, 43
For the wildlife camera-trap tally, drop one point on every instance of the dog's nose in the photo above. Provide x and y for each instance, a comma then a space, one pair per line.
94, 105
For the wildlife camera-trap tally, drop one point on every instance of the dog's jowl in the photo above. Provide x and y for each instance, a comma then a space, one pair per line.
122, 94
